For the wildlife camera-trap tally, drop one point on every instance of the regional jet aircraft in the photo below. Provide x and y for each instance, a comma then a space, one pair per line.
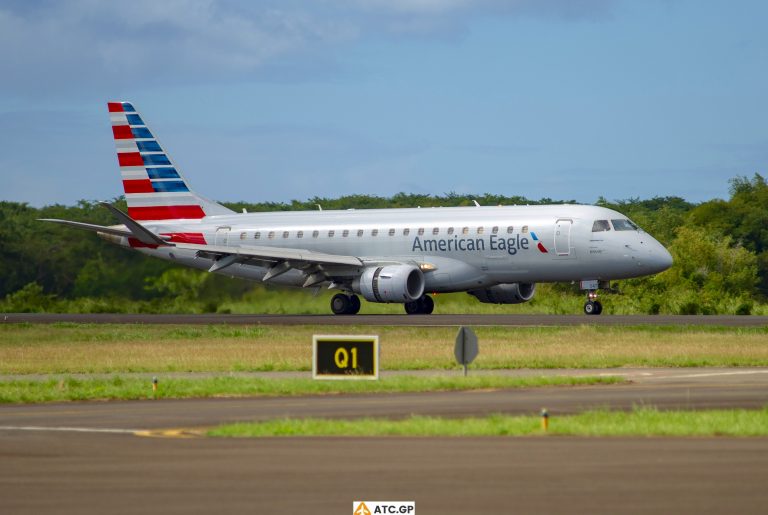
496, 254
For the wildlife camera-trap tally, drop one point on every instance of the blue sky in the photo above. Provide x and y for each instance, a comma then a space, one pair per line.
280, 100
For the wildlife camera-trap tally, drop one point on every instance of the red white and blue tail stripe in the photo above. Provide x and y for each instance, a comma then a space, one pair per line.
154, 188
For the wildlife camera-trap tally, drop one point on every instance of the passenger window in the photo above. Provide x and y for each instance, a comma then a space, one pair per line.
242, 235
315, 234
345, 233
465, 230
300, 234
271, 235
256, 235
421, 231
495, 229
480, 230
406, 232
436, 231
359, 233
510, 229
450, 230
391, 232
525, 229
285, 234
331, 233
375, 232
600, 226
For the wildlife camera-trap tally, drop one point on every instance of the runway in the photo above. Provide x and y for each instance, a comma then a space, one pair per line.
85, 458
450, 320
106, 473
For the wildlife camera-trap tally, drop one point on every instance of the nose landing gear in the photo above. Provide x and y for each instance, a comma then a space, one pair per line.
592, 306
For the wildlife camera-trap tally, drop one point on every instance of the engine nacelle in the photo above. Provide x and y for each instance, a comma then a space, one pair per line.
394, 283
514, 293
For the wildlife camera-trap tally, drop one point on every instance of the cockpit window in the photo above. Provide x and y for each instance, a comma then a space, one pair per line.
600, 226
623, 225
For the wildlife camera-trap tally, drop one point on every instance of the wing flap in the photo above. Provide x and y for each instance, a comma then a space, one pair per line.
276, 254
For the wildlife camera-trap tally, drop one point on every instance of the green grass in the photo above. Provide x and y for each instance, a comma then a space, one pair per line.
121, 348
71, 389
639, 422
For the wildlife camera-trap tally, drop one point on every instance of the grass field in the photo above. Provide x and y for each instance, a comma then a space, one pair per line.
71, 389
640, 422
81, 348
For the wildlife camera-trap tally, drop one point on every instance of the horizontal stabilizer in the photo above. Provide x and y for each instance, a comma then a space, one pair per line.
90, 227
138, 231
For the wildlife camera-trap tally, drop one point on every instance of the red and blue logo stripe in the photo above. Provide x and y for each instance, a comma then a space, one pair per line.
541, 247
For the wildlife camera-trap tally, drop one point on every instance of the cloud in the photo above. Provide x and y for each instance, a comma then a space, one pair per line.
52, 48
70, 45
52, 156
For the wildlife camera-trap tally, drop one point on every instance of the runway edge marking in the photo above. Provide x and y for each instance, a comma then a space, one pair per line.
176, 432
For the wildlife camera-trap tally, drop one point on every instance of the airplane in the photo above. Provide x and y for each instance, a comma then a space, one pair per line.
496, 254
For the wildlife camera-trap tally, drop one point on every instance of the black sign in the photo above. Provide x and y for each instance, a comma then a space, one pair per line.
345, 357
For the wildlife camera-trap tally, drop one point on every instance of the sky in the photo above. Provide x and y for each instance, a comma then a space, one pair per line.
290, 99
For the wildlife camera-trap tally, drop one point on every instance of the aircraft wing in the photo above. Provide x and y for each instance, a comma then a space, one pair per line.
316, 266
274, 254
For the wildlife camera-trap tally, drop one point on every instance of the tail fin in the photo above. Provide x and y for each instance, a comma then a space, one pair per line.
154, 188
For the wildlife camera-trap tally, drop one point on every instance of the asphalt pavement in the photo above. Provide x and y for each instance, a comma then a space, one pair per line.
434, 320
87, 457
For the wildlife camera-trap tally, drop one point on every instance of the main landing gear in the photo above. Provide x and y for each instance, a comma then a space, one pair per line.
342, 304
592, 306
424, 306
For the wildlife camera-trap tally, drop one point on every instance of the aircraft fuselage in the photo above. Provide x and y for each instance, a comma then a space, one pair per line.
458, 248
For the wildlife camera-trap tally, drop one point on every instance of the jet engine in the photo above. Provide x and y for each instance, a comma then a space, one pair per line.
394, 283
514, 293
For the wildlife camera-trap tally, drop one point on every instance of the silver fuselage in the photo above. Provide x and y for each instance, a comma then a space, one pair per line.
459, 248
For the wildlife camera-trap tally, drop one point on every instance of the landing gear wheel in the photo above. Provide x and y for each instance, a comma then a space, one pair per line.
424, 306
593, 307
412, 308
354, 305
427, 305
340, 304
345, 304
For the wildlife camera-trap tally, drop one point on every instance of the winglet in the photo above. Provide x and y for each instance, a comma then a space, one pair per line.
140, 232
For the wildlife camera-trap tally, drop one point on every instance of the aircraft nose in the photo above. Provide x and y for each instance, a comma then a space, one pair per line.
660, 259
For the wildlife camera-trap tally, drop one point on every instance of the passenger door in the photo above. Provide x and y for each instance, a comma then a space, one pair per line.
563, 237
222, 236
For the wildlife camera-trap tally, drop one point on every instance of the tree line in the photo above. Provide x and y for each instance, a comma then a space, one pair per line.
720, 249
